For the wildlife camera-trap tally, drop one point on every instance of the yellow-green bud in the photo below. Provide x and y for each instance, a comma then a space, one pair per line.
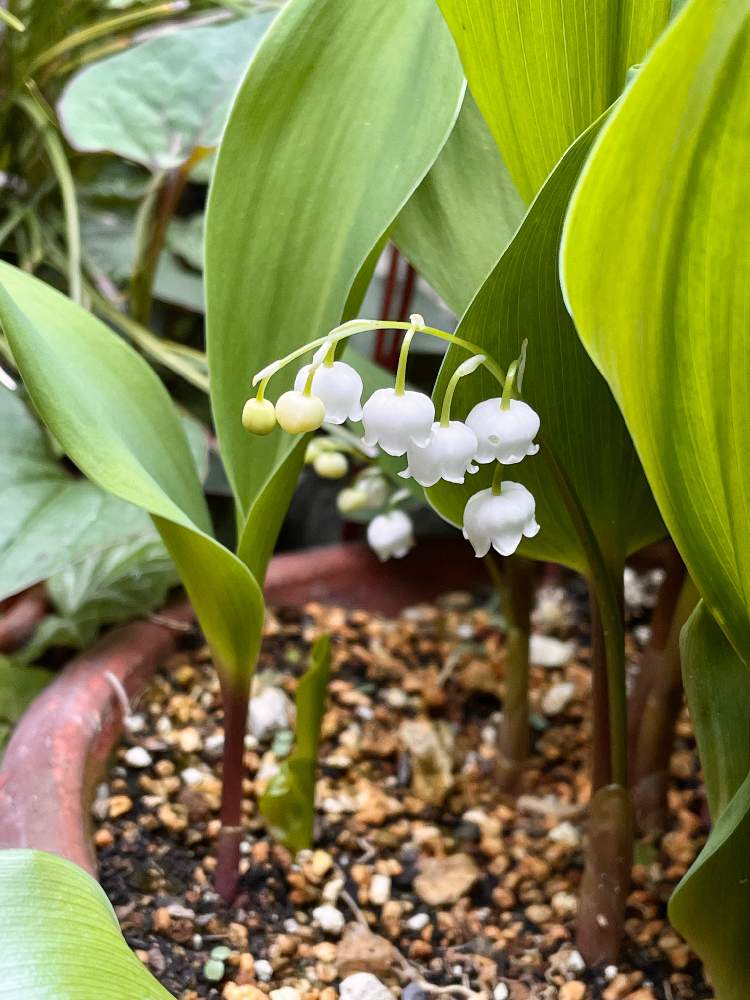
258, 416
298, 413
314, 448
330, 465
351, 500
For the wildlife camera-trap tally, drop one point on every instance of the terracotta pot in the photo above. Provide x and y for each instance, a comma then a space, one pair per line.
59, 749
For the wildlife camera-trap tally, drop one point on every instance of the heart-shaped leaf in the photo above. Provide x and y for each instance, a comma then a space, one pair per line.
541, 73
657, 268
343, 110
59, 936
158, 101
114, 418
583, 433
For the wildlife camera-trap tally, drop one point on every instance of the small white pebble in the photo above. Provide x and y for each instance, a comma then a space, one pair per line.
192, 775
214, 743
135, 723
263, 970
291, 926
489, 735
164, 726
576, 962
364, 712
138, 757
380, 889
566, 834
501, 992
329, 919
332, 890
285, 993
418, 922
458, 970
610, 971
364, 986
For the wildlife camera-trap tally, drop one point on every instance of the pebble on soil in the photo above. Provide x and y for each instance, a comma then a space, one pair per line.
412, 890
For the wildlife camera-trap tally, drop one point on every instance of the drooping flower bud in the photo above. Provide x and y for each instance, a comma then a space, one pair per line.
258, 416
447, 455
298, 413
392, 419
500, 520
339, 386
505, 436
350, 500
330, 465
391, 535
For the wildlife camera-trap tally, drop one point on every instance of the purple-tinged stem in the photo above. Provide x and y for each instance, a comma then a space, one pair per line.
230, 836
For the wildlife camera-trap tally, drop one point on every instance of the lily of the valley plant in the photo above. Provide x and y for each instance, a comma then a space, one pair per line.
402, 421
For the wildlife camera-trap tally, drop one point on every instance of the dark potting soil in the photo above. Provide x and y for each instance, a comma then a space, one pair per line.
422, 874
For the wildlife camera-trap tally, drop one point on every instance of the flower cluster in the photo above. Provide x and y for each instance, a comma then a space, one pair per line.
402, 421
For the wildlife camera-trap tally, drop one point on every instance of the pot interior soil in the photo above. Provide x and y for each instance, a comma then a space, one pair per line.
461, 887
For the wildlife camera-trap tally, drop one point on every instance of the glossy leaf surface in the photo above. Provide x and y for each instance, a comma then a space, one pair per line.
59, 936
581, 425
114, 418
656, 260
710, 905
541, 73
308, 177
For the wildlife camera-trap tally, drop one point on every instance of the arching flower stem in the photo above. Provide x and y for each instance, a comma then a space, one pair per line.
400, 386
510, 381
466, 368
356, 326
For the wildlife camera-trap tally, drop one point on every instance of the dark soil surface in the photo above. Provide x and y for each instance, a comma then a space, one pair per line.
426, 874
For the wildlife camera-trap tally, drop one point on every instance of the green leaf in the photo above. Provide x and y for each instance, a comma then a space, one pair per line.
655, 260
463, 214
710, 905
582, 430
344, 108
541, 73
156, 102
116, 585
288, 804
48, 520
19, 685
114, 418
185, 239
59, 936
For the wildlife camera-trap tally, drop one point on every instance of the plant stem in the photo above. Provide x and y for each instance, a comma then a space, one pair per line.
159, 208
601, 749
514, 582
660, 712
235, 704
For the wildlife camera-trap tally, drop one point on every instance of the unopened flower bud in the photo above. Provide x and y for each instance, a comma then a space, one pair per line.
258, 416
298, 413
350, 500
330, 465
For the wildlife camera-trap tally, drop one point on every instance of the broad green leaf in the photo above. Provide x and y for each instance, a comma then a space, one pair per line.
711, 904
463, 214
114, 418
344, 108
19, 685
288, 804
120, 583
48, 519
59, 936
541, 73
656, 263
156, 102
582, 429
185, 239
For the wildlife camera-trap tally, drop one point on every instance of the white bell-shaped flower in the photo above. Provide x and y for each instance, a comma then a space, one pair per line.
390, 535
505, 436
340, 388
501, 520
447, 455
393, 419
